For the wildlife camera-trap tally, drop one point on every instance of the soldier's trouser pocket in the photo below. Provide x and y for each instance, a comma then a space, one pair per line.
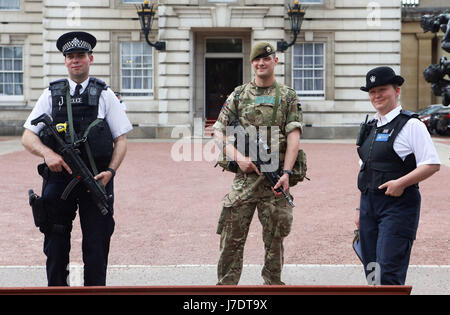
224, 216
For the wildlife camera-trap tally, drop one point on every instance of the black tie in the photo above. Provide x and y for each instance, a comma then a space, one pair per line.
77, 89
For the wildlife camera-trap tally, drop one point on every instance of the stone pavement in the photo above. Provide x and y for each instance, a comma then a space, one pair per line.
166, 214
427, 280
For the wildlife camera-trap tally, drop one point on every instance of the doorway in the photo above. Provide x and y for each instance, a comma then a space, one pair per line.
222, 76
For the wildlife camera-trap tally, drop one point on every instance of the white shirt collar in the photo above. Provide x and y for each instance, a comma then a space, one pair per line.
383, 120
73, 85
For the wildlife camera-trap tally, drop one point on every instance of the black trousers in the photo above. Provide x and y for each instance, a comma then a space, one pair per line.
96, 229
387, 230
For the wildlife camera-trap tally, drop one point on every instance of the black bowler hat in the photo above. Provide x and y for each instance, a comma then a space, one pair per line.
381, 76
76, 42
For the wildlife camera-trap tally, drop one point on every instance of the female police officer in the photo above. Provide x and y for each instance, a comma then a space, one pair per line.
397, 153
96, 114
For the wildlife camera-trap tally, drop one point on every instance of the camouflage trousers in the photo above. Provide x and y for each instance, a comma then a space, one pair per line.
250, 192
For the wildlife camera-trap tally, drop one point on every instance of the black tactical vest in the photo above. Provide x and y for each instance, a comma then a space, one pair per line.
85, 122
380, 162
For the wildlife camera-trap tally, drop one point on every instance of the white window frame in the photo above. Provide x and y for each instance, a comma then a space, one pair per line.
308, 95
13, 98
146, 92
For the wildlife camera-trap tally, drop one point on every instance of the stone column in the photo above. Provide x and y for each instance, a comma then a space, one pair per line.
424, 59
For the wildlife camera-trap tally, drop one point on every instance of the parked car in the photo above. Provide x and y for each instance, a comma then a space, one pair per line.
439, 121
425, 114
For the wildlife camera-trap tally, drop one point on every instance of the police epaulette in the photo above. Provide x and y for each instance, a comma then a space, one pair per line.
409, 113
58, 84
99, 82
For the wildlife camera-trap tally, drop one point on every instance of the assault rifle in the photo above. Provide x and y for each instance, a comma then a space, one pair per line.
80, 172
257, 144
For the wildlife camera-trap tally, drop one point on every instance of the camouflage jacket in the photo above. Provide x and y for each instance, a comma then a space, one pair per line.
255, 108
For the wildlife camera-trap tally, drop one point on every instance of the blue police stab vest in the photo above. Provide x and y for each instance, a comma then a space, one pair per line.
380, 162
85, 122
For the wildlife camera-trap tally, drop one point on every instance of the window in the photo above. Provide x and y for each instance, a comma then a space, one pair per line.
11, 70
309, 69
9, 4
136, 69
133, 1
311, 1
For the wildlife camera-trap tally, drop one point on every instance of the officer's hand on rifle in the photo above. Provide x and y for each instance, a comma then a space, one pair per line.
55, 162
105, 176
284, 182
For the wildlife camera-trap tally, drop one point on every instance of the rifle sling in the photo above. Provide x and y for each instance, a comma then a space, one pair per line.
86, 144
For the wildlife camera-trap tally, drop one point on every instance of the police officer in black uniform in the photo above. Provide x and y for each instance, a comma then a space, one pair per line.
396, 153
91, 111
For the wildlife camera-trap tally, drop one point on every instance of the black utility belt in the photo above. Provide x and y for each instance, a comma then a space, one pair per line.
383, 191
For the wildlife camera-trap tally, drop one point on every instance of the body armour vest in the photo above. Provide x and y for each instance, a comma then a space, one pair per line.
85, 123
380, 162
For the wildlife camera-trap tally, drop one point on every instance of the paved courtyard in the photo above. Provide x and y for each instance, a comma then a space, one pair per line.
166, 211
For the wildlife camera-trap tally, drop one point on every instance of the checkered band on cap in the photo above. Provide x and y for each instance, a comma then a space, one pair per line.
76, 43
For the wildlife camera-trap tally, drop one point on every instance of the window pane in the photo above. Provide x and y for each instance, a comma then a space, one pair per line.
298, 73
137, 73
298, 61
18, 65
18, 52
137, 83
126, 83
8, 52
147, 61
125, 48
318, 61
308, 62
223, 45
9, 89
298, 85
308, 49
308, 84
18, 89
318, 84
318, 49
137, 49
137, 61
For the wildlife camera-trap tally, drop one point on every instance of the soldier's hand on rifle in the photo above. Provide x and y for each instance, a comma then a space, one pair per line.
55, 162
284, 182
247, 166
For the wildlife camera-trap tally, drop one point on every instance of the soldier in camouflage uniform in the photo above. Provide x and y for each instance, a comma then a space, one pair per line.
250, 189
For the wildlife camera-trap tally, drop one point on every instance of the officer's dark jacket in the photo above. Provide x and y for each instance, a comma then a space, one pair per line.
380, 162
85, 122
